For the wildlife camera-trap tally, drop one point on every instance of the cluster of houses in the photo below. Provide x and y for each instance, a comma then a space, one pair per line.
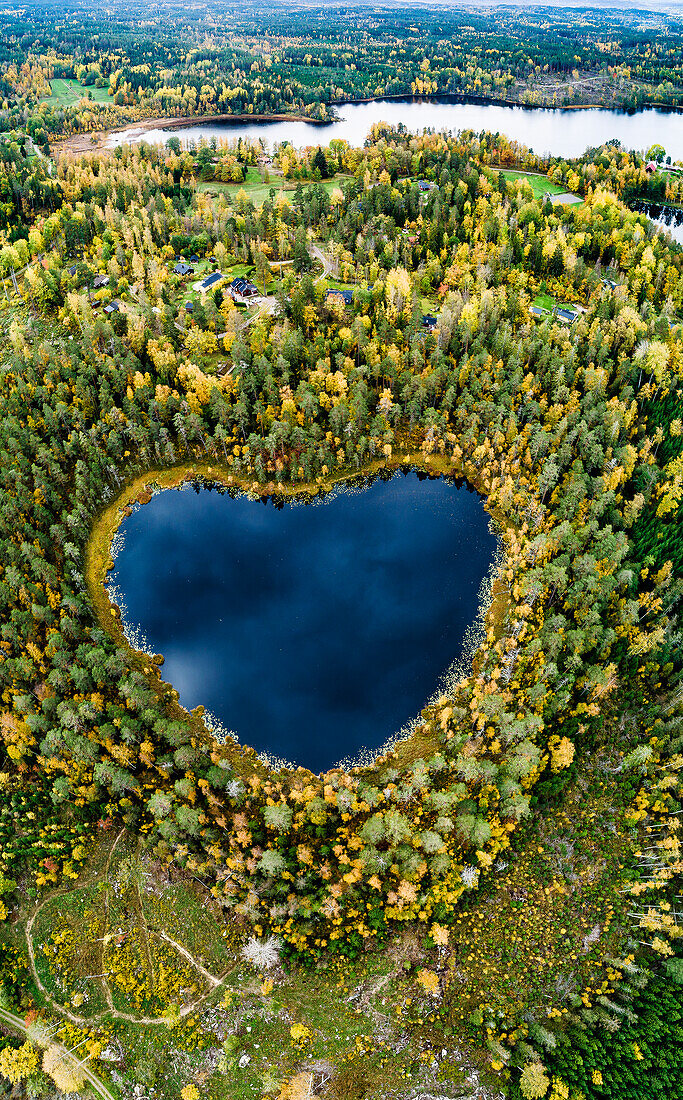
99, 283
560, 313
240, 289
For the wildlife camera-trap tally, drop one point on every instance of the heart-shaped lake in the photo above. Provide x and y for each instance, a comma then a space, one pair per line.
313, 632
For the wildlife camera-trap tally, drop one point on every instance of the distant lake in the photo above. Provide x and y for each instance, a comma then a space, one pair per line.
314, 632
560, 132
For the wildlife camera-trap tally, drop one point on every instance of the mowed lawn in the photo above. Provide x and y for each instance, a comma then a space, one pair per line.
66, 92
258, 191
540, 185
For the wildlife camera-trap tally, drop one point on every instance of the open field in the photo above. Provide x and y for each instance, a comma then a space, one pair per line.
258, 191
540, 185
66, 92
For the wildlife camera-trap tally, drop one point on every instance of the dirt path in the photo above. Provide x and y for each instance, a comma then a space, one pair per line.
85, 1021
190, 958
319, 255
18, 1024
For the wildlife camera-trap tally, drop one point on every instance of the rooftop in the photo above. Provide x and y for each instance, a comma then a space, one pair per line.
345, 295
211, 280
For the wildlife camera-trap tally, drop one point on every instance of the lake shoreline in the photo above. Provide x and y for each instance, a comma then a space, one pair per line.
491, 101
99, 563
105, 141
76, 144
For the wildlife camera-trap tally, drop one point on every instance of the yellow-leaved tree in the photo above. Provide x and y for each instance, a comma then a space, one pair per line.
64, 1070
397, 291
534, 1081
17, 1065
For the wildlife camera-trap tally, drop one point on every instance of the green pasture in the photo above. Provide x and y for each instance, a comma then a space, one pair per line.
257, 191
66, 92
540, 185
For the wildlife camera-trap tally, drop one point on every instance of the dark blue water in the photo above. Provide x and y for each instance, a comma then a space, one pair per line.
313, 632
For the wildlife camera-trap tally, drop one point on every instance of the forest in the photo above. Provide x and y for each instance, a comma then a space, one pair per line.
490, 905
83, 71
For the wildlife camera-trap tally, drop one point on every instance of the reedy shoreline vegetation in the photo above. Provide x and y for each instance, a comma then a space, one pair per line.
572, 434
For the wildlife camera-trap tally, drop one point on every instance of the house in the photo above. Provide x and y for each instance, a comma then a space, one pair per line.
566, 316
209, 281
182, 268
429, 322
113, 307
100, 281
194, 259
609, 283
650, 166
73, 269
243, 288
425, 185
189, 306
345, 295
538, 311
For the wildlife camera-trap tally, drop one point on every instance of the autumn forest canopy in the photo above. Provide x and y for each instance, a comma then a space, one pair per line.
490, 906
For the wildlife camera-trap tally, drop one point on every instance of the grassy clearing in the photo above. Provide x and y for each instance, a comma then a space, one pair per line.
540, 185
258, 191
192, 918
532, 935
67, 937
67, 92
551, 914
545, 301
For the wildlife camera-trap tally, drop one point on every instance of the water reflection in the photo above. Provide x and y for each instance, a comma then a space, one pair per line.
666, 218
314, 632
565, 133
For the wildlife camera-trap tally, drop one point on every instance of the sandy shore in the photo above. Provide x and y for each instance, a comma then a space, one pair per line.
98, 142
